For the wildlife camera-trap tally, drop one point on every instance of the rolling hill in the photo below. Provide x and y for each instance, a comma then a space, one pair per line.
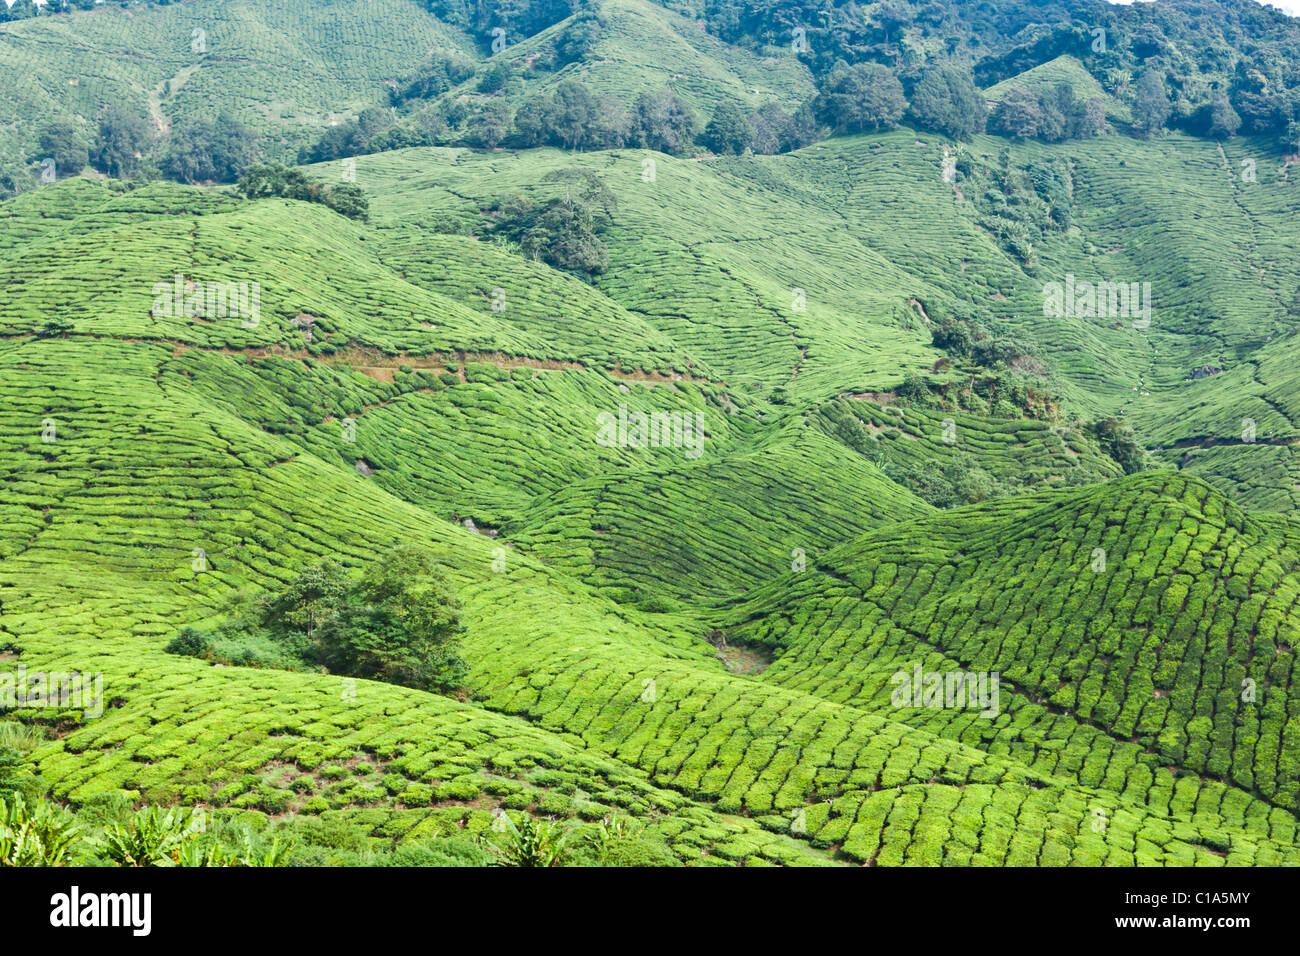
703, 632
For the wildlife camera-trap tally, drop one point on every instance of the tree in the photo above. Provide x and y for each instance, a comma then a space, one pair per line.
400, 623
1224, 121
63, 143
661, 121
1118, 440
866, 96
312, 598
773, 129
579, 39
609, 129
946, 100
495, 79
728, 132
573, 114
121, 144
209, 150
490, 124
434, 80
1291, 139
1019, 114
1151, 104
351, 138
533, 121
274, 180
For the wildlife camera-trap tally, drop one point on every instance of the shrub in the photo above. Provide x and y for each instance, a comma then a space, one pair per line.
191, 642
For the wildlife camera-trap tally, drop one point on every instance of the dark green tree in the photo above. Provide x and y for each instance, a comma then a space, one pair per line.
209, 150
773, 129
1224, 121
400, 624
728, 132
661, 121
854, 99
1151, 104
62, 142
946, 100
1019, 115
124, 139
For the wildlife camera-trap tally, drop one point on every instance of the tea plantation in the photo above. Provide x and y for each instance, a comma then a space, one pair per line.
707, 509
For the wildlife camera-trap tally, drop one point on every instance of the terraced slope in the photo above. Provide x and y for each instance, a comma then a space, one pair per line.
712, 254
706, 640
286, 68
1143, 630
643, 47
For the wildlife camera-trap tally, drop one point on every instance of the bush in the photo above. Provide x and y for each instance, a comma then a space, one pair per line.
191, 642
152, 838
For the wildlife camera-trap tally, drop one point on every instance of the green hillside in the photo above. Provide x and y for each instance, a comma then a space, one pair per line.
287, 68
714, 450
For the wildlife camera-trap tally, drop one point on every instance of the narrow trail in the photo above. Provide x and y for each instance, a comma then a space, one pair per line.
382, 365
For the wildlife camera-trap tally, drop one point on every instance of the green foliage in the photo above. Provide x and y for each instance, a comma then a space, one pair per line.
528, 843
62, 142
261, 182
124, 140
34, 834
400, 623
728, 131
663, 122
1151, 107
1052, 115
860, 98
1118, 440
431, 80
209, 150
153, 837
947, 100
350, 138
563, 231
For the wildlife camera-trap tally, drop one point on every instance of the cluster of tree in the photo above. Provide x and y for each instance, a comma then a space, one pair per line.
868, 96
123, 143
209, 150
518, 19
438, 77
1117, 439
563, 231
950, 484
1241, 60
1053, 115
272, 179
572, 118
968, 339
349, 138
398, 622
215, 149
1018, 205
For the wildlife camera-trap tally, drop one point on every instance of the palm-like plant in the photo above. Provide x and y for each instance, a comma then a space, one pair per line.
531, 844
154, 837
35, 835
